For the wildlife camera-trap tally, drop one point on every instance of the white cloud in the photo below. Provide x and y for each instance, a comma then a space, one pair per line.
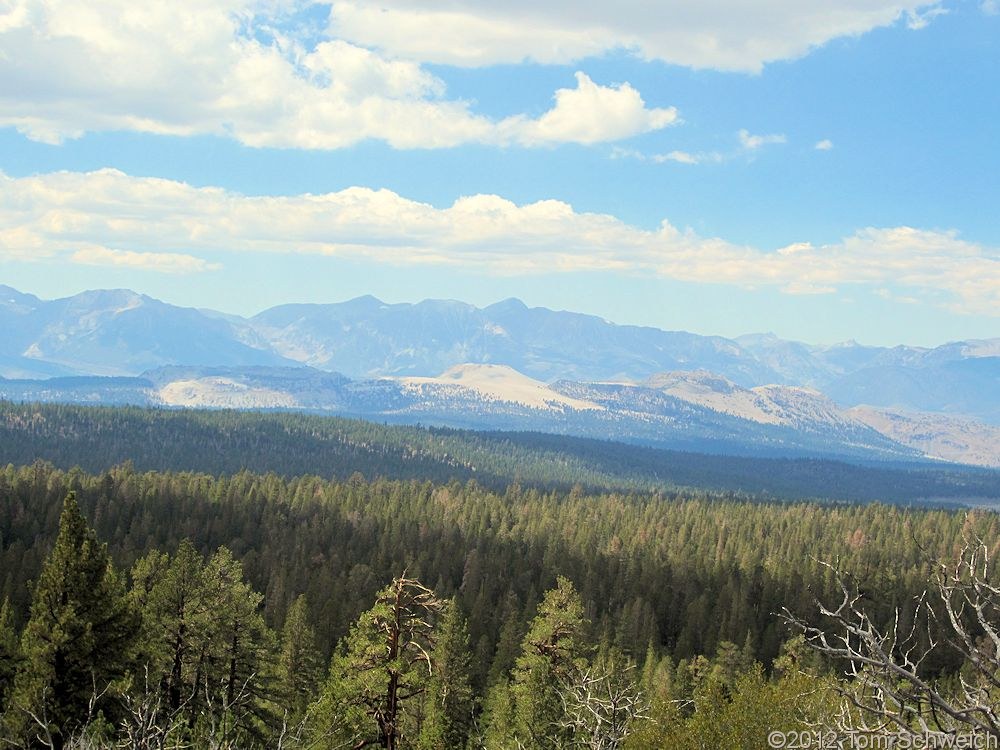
679, 157
68, 215
220, 67
95, 255
990, 7
753, 142
748, 143
720, 34
824, 145
920, 18
805, 288
590, 114
465, 35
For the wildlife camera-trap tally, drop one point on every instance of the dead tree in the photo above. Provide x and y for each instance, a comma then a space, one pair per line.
600, 703
889, 688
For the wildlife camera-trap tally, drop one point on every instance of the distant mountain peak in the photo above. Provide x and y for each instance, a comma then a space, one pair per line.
19, 302
117, 300
364, 302
981, 348
511, 304
759, 338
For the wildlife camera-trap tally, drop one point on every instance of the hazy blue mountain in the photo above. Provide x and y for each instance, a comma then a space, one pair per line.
117, 332
16, 310
365, 337
817, 366
13, 300
14, 366
793, 361
959, 378
968, 386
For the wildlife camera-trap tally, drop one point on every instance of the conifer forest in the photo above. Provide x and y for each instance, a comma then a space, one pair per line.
171, 608
471, 375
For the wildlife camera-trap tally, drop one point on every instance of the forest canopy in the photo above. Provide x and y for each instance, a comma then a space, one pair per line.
661, 581
294, 444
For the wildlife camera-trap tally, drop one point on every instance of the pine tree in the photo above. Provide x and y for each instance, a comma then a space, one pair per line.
240, 658
508, 641
382, 666
299, 663
498, 709
79, 637
10, 652
449, 701
551, 654
176, 619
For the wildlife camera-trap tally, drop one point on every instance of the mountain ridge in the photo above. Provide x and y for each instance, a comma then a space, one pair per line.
123, 333
491, 397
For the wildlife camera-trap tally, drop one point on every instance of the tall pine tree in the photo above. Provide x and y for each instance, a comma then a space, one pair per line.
79, 638
450, 703
551, 654
381, 670
176, 619
299, 663
10, 652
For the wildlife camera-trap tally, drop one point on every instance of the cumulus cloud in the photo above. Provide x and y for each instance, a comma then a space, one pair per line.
590, 114
824, 145
239, 68
719, 34
77, 216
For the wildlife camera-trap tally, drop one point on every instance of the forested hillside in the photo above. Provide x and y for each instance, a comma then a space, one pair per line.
660, 579
290, 444
286, 580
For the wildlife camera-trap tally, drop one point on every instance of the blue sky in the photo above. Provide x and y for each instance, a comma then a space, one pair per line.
720, 167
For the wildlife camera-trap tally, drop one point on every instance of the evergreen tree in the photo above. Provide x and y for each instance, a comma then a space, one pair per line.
382, 665
498, 710
551, 654
299, 663
9, 651
508, 641
79, 638
176, 620
449, 699
239, 662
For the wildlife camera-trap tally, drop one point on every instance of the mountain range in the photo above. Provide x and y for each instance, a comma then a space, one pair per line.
509, 366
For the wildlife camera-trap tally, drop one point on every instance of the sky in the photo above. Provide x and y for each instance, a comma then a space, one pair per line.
823, 171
